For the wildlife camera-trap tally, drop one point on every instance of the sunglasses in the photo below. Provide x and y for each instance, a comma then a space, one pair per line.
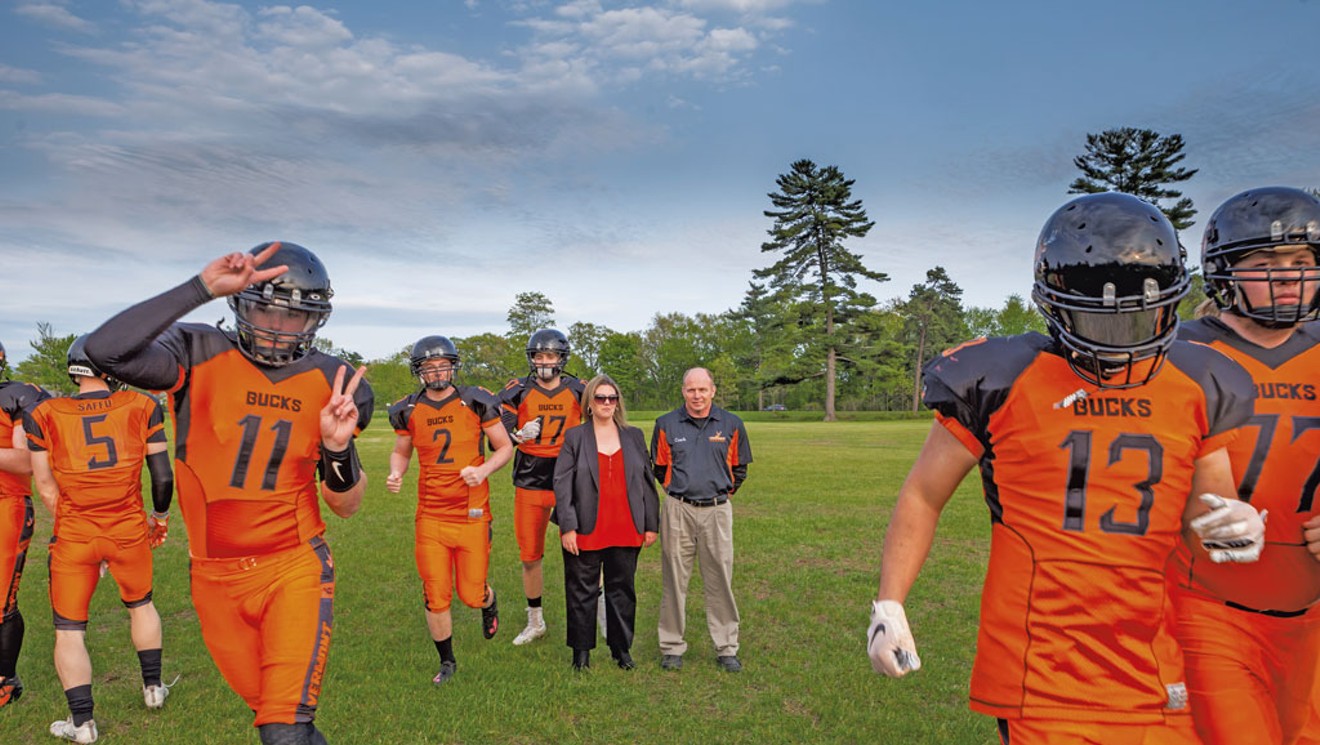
602, 399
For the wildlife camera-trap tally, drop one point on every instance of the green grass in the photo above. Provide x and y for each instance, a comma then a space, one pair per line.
808, 530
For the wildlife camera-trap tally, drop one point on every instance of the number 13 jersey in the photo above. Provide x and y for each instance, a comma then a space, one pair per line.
1086, 490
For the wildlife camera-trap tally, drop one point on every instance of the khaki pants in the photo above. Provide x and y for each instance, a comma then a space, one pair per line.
705, 534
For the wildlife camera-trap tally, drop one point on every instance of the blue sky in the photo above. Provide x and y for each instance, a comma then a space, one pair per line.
442, 156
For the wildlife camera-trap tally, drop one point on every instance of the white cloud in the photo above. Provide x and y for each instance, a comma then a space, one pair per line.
60, 103
624, 45
18, 75
54, 14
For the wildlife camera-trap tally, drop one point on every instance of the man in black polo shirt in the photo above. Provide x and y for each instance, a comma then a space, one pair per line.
701, 455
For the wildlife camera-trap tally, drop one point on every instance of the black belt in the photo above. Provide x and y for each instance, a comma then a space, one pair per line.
713, 502
1274, 613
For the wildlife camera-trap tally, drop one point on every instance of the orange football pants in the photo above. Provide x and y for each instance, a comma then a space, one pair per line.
450, 553
531, 515
1177, 729
267, 622
16, 521
75, 569
1247, 671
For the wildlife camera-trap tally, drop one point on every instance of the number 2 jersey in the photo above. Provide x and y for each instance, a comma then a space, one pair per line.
15, 400
559, 410
97, 443
448, 437
1086, 490
247, 436
1276, 464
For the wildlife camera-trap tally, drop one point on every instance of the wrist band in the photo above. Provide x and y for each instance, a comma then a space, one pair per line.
340, 470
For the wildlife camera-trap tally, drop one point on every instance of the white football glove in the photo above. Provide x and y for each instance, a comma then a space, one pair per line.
889, 640
1232, 531
529, 431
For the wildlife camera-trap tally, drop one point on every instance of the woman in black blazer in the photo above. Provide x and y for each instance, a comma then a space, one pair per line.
608, 509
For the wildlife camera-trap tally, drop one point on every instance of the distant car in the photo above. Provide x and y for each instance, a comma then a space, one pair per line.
775, 407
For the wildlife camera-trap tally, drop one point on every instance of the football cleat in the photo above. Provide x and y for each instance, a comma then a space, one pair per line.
490, 617
11, 689
154, 696
447, 670
535, 628
65, 729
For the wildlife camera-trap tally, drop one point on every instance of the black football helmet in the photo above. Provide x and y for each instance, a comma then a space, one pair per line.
80, 365
1109, 275
1262, 220
548, 340
433, 348
297, 302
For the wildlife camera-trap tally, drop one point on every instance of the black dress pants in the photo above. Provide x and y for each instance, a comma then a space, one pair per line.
581, 588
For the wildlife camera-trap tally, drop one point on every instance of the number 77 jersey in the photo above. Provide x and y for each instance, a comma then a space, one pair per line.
1086, 490
1276, 464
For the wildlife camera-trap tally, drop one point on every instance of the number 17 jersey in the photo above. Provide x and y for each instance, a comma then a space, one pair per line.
1086, 490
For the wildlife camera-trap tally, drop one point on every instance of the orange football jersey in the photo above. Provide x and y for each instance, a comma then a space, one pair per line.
15, 398
97, 443
559, 410
1086, 490
448, 437
1276, 463
248, 443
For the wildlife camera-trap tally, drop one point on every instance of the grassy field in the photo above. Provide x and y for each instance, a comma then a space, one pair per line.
808, 527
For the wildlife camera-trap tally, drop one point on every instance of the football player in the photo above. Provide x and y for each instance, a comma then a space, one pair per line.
445, 423
15, 523
1249, 634
537, 410
1097, 445
260, 416
87, 456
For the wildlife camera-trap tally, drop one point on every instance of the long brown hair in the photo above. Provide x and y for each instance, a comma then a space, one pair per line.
589, 393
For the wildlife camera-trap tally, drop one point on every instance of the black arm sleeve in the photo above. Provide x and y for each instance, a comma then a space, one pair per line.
162, 481
123, 346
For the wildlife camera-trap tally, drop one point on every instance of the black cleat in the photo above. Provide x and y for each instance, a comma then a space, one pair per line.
447, 670
490, 617
11, 689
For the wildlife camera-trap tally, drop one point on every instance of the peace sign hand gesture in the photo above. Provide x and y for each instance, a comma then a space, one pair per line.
340, 415
232, 273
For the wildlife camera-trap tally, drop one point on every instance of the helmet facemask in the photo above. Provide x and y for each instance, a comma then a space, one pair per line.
434, 377
543, 371
1228, 280
1113, 341
277, 327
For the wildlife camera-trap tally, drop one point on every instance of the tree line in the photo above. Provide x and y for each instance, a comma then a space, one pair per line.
805, 335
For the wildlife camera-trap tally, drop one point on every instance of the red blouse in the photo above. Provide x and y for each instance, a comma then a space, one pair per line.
614, 521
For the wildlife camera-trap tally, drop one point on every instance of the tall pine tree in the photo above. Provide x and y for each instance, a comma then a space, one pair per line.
814, 212
1137, 162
